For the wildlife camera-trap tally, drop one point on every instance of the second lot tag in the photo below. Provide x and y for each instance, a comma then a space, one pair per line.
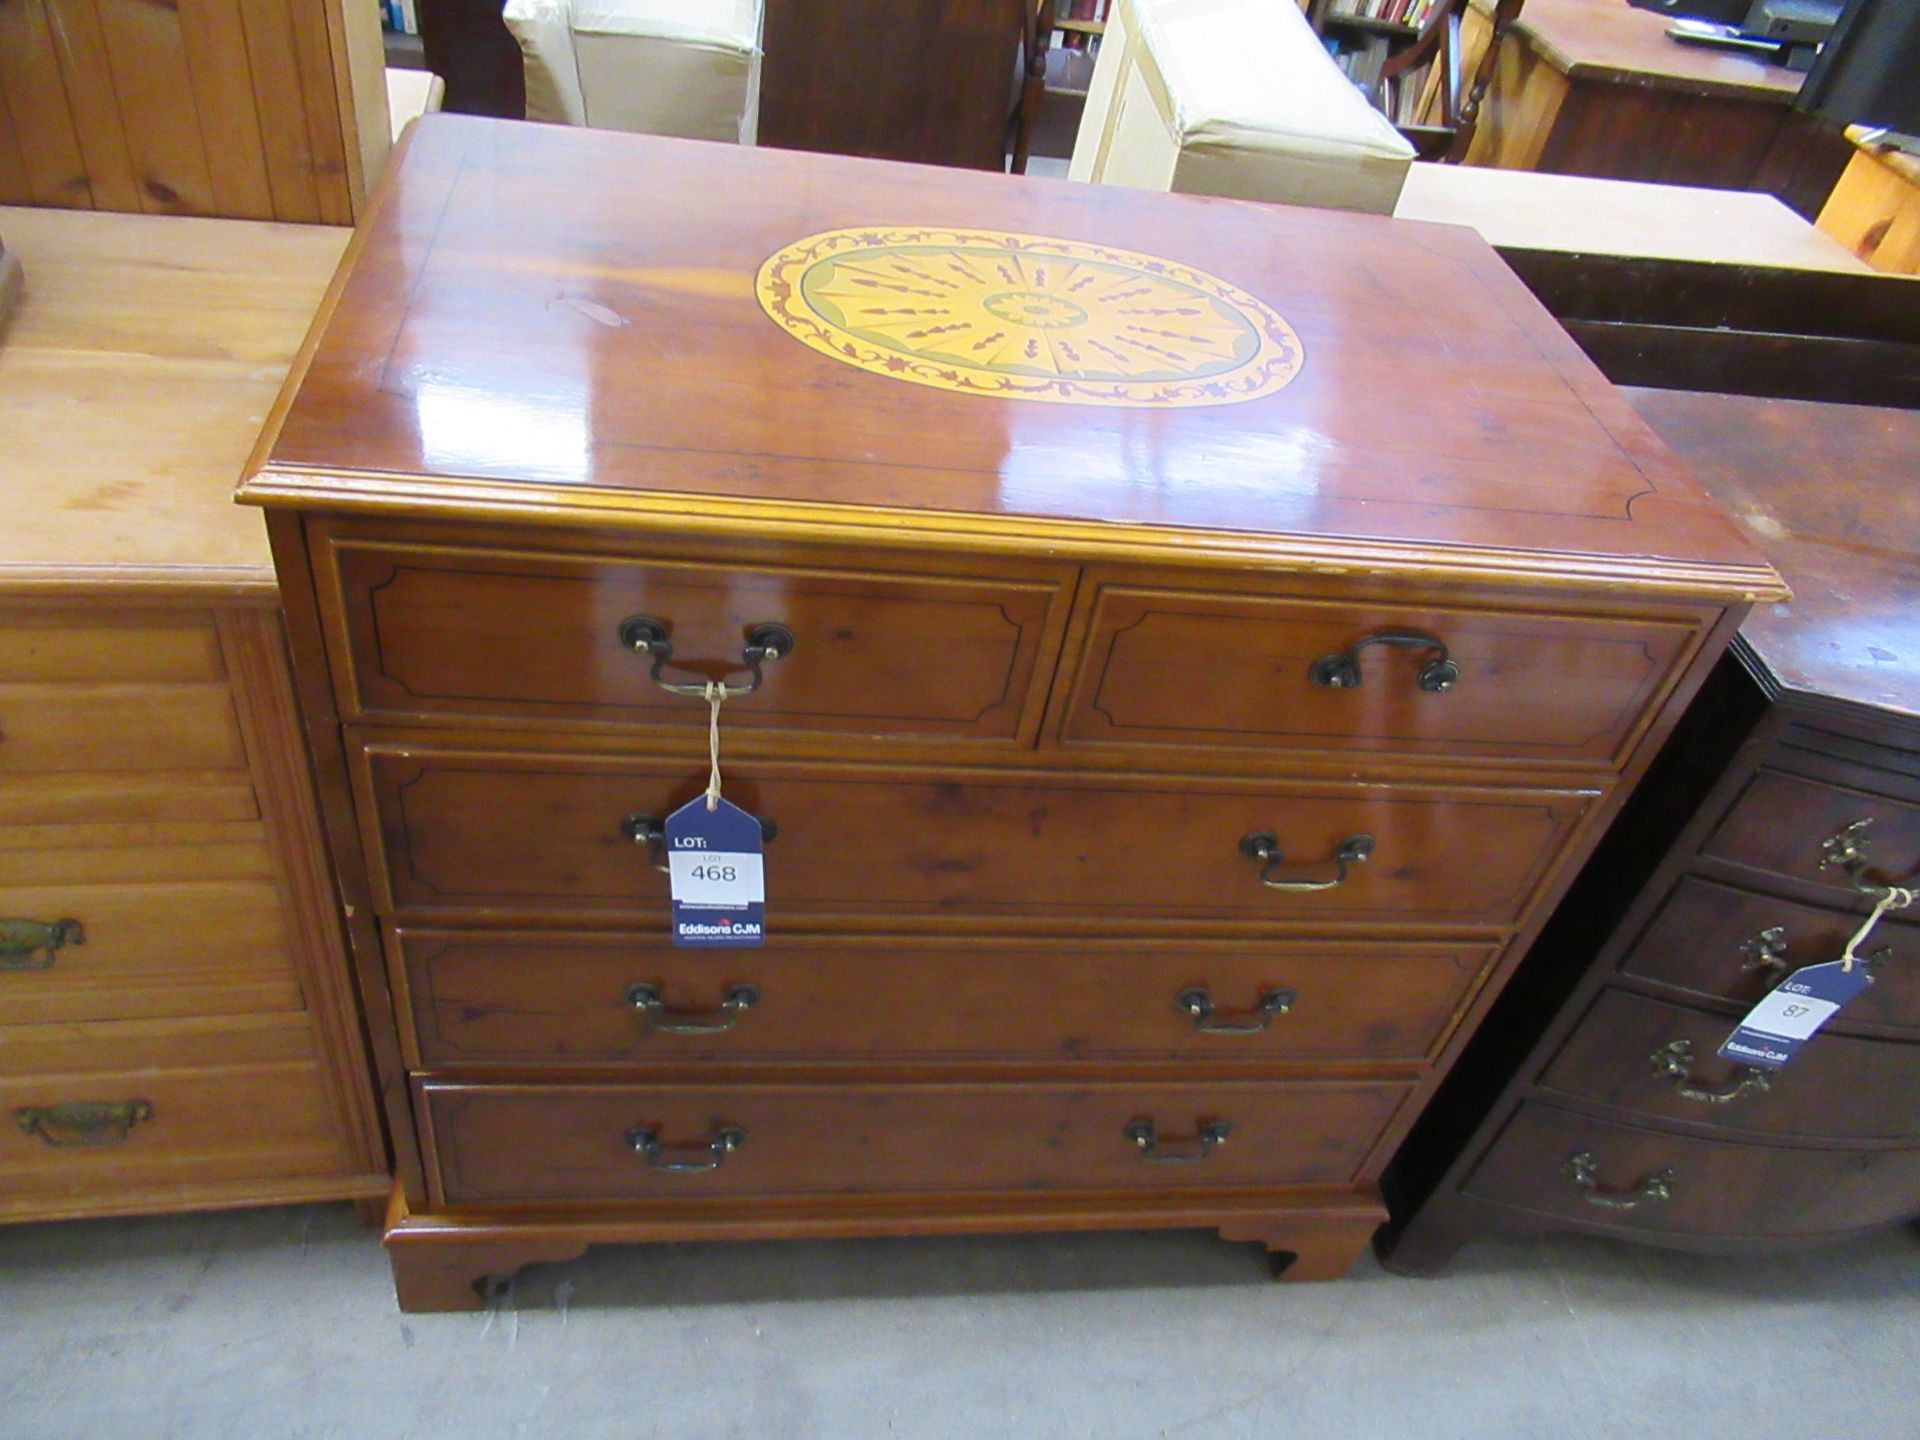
715, 865
1792, 1011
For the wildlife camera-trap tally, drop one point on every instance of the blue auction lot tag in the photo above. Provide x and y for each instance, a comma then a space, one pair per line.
716, 869
1792, 1011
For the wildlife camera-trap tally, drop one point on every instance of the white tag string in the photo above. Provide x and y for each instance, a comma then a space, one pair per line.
1891, 898
716, 693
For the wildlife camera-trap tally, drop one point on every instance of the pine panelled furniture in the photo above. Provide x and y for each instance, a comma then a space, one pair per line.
249, 109
1793, 782
1115, 591
177, 1020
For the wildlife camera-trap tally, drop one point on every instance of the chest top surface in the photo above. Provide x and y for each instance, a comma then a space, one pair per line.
609, 329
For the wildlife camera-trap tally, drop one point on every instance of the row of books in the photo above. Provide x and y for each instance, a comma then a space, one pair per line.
400, 16
1394, 12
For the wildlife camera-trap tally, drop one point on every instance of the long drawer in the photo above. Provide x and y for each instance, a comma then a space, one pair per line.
548, 832
505, 1143
480, 997
1186, 668
1598, 1173
449, 630
1807, 829
1661, 1061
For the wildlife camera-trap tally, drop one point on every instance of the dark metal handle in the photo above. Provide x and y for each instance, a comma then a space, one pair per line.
651, 831
1582, 1172
1142, 1134
722, 1141
648, 1000
1196, 1001
1675, 1059
1264, 846
1766, 949
22, 940
82, 1123
766, 641
1341, 670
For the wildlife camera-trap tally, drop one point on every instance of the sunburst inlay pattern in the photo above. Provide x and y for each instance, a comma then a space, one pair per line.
985, 312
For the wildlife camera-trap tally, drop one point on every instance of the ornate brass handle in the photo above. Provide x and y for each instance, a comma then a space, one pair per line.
1196, 1001
22, 940
648, 1000
83, 1122
722, 1141
1341, 670
651, 831
766, 641
1766, 949
1147, 1140
1264, 846
1582, 1171
1675, 1059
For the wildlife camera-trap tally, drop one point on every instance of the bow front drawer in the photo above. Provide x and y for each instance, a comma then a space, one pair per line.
571, 835
530, 638
512, 1142
1194, 668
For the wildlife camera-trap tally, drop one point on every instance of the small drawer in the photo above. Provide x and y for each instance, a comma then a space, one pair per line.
505, 997
114, 1114
1626, 1178
1822, 832
95, 727
133, 951
547, 834
1662, 1061
1720, 942
504, 1143
1167, 667
498, 636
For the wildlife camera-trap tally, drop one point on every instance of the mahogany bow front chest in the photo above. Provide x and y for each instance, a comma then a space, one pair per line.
1194, 642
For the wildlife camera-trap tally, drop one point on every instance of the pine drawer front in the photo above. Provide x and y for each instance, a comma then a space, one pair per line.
549, 833
93, 1117
504, 997
134, 951
505, 1143
1597, 1173
530, 638
1661, 1061
1179, 668
1719, 942
1823, 832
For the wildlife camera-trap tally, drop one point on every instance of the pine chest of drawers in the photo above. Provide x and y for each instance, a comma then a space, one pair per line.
1215, 630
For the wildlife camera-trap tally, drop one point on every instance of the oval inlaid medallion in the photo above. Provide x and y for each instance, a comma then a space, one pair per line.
1028, 317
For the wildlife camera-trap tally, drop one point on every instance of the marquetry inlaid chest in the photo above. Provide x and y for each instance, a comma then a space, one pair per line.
1195, 640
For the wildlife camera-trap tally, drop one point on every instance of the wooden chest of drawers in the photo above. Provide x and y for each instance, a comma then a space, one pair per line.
1176, 747
1790, 791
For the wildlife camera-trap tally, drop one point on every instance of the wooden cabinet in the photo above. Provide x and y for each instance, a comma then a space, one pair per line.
1167, 758
1789, 795
177, 1024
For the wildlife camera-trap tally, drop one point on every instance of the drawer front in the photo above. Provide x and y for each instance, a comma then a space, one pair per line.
508, 997
1723, 943
122, 952
110, 1112
1166, 667
544, 833
506, 636
1662, 1061
1716, 1188
118, 727
526, 1143
1804, 829
53, 645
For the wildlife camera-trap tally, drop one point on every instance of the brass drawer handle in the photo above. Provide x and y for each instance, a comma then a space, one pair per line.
1148, 1142
722, 1141
1582, 1171
1766, 950
82, 1123
1196, 1001
650, 1003
1264, 846
766, 641
1675, 1059
22, 940
1341, 671
651, 831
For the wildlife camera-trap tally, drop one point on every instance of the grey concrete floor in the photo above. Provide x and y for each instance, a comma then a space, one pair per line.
276, 1323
